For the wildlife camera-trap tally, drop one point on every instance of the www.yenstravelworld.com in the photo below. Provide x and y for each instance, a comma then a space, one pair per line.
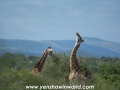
60, 87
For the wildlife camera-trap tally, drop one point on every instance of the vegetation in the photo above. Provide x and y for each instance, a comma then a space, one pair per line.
15, 72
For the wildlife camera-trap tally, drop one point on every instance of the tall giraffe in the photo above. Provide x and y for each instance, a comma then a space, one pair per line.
38, 67
74, 66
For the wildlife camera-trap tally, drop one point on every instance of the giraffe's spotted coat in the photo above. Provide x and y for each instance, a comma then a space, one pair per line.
38, 67
74, 66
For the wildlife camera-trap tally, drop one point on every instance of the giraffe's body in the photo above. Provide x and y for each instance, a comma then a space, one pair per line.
38, 67
74, 66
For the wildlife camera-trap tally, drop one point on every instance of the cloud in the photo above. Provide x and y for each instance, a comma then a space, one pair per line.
34, 2
27, 2
18, 21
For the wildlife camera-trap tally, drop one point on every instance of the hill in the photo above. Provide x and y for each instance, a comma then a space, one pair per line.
91, 47
112, 46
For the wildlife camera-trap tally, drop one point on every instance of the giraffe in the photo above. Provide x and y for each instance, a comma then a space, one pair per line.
38, 67
75, 69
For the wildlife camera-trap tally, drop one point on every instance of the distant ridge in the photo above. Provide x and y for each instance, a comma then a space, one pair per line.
91, 47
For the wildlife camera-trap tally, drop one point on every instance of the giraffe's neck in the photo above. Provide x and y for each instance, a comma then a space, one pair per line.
73, 62
40, 64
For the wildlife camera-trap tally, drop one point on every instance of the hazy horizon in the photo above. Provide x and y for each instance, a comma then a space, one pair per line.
59, 39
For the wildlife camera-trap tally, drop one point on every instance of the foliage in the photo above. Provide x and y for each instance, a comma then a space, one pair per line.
15, 71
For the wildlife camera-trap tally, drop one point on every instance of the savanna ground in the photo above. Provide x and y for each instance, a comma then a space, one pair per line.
15, 72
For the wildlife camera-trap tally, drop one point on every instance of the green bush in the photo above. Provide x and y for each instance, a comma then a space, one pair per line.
15, 72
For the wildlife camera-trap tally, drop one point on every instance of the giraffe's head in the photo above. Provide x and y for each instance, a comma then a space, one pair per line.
49, 50
78, 38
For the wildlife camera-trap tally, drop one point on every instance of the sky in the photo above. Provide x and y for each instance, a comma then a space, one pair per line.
59, 19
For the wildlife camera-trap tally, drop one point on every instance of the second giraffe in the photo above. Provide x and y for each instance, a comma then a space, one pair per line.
75, 68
